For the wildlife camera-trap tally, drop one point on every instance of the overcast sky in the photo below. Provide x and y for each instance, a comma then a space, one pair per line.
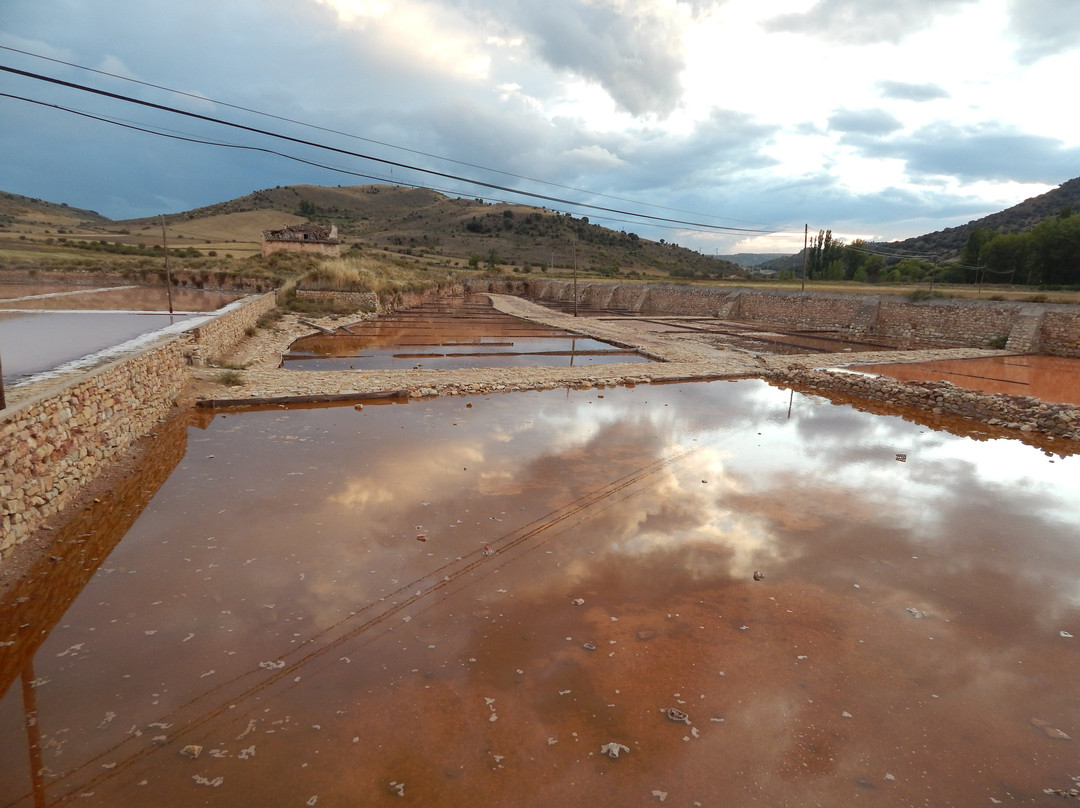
878, 119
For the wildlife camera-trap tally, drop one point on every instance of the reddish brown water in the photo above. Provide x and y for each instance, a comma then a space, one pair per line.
456, 333
306, 595
1049, 378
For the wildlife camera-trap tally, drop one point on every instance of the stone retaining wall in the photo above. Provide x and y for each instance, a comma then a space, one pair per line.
361, 301
1039, 327
216, 338
1024, 413
1061, 329
53, 444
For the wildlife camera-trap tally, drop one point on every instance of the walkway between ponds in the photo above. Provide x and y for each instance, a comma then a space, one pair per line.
681, 357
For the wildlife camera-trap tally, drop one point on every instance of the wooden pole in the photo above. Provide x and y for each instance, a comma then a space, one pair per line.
575, 276
3, 404
168, 275
805, 233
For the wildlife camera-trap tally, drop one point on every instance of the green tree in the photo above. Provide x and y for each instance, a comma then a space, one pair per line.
1055, 250
977, 239
822, 252
1008, 252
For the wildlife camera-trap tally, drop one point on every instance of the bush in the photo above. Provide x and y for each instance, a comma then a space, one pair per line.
230, 378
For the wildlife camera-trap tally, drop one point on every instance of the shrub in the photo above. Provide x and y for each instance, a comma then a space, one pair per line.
230, 378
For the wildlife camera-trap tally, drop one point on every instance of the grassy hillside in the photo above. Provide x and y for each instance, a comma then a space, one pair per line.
423, 226
451, 231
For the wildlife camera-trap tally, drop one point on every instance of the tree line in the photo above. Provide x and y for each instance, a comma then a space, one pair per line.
1046, 255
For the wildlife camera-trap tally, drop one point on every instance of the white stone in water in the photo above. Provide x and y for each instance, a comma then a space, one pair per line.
613, 749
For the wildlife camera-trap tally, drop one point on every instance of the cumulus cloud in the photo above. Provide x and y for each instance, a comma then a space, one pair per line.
1044, 27
903, 91
860, 22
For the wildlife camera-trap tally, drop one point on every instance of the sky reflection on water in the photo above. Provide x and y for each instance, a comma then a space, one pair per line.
312, 583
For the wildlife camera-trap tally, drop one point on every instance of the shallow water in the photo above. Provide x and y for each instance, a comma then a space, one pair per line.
49, 296
45, 325
35, 342
307, 594
449, 334
1048, 378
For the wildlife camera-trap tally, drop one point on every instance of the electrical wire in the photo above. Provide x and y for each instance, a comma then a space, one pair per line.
393, 163
189, 138
359, 137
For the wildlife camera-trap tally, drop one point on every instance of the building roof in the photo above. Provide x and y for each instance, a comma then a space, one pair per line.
305, 231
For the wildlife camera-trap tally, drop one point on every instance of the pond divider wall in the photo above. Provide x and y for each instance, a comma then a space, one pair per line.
950, 322
55, 443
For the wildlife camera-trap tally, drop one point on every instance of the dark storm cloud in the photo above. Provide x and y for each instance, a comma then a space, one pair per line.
1044, 27
902, 91
861, 22
864, 121
974, 154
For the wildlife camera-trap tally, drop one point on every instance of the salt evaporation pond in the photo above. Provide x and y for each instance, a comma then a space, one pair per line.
463, 601
43, 326
36, 342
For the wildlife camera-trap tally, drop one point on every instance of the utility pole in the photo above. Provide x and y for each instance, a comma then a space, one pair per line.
168, 275
3, 404
805, 234
575, 275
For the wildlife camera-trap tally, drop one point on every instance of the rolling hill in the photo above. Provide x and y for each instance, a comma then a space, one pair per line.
424, 225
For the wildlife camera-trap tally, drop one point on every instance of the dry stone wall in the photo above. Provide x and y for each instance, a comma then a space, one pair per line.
53, 444
217, 337
1024, 413
1061, 330
360, 301
1023, 327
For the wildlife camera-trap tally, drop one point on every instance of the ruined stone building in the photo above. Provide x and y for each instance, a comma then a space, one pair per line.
304, 237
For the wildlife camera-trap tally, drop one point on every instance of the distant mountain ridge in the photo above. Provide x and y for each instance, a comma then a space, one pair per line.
1018, 219
947, 243
751, 260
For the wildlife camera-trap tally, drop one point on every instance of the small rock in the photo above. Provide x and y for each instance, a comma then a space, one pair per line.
1050, 731
613, 749
759, 576
675, 714
191, 751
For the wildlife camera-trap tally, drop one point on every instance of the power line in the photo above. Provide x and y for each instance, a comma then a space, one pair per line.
393, 163
188, 138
